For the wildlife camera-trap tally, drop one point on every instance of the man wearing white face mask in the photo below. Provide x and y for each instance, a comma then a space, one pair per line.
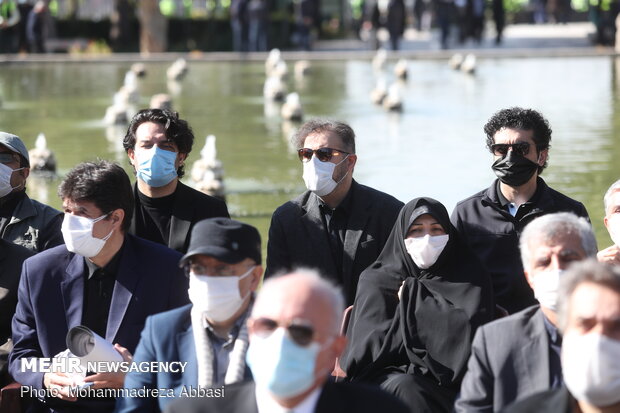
611, 200
23, 221
157, 143
589, 318
223, 264
102, 278
337, 226
294, 342
519, 355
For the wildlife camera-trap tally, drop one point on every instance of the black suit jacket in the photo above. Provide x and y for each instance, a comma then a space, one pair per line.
493, 234
297, 237
12, 257
190, 206
334, 398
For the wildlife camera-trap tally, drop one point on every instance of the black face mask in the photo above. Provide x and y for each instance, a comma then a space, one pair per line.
513, 169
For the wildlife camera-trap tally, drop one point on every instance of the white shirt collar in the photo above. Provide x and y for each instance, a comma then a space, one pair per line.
267, 404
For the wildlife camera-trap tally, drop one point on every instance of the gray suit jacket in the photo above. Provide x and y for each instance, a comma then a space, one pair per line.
509, 361
297, 237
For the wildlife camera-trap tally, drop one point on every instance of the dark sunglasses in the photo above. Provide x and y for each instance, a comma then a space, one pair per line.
324, 154
6, 157
300, 331
519, 148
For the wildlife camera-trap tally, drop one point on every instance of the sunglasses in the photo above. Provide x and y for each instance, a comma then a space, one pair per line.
324, 154
300, 331
519, 148
6, 157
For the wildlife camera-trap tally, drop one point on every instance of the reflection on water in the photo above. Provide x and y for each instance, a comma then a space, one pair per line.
435, 147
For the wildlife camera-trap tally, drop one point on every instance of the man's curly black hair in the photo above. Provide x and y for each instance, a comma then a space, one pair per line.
523, 119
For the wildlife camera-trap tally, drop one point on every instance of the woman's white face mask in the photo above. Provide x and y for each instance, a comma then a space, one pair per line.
425, 251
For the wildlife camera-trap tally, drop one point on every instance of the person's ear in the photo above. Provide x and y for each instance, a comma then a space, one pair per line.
117, 217
131, 153
257, 275
181, 158
529, 279
542, 156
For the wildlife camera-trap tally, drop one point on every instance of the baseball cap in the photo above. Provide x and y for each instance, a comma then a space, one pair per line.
15, 144
225, 239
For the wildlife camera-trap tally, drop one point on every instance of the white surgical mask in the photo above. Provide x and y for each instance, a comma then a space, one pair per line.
546, 286
613, 223
217, 297
5, 179
425, 250
318, 176
78, 235
591, 368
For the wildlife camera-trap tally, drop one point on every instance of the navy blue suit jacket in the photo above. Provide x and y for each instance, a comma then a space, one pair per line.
166, 337
51, 293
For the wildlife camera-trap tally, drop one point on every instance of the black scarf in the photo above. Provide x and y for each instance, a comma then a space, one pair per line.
430, 329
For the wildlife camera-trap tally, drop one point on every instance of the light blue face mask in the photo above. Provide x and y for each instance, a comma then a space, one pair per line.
281, 366
155, 166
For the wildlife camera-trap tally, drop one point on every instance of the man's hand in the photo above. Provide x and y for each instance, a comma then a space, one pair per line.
111, 380
610, 255
60, 381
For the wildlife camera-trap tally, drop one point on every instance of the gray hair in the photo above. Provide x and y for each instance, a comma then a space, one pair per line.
340, 129
327, 289
607, 198
588, 271
550, 226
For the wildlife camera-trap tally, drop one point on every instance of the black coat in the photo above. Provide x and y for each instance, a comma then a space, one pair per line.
190, 206
12, 257
493, 234
428, 330
297, 237
334, 398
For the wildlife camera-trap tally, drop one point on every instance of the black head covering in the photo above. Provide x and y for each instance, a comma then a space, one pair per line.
429, 330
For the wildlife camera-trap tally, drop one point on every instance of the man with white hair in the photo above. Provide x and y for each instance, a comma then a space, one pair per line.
519, 355
589, 317
611, 255
294, 342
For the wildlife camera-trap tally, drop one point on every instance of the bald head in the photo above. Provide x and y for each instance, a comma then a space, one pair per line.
302, 294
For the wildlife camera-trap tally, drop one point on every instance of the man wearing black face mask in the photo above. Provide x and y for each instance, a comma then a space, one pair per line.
492, 220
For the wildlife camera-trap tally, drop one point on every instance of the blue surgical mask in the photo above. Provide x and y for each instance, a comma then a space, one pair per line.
155, 166
281, 366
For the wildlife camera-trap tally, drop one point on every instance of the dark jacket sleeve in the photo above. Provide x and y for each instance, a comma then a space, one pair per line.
278, 255
51, 236
477, 386
145, 352
25, 340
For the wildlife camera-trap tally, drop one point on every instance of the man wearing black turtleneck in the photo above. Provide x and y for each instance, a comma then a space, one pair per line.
158, 143
23, 221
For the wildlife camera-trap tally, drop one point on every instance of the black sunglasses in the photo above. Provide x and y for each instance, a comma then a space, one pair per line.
519, 148
6, 157
324, 154
300, 331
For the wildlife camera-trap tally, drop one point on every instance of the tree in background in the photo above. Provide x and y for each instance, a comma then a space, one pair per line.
153, 27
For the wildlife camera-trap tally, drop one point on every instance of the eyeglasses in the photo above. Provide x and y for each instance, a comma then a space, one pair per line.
199, 269
519, 148
300, 331
6, 157
324, 154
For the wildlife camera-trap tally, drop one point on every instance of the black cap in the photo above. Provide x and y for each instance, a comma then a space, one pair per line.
225, 239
